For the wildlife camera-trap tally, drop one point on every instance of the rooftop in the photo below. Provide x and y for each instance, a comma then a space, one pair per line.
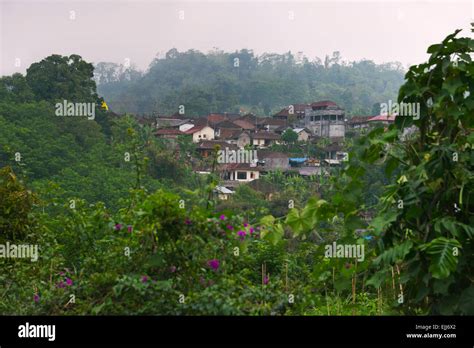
324, 104
380, 118
266, 136
169, 131
194, 129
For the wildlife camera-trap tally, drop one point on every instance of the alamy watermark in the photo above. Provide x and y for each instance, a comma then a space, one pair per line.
237, 156
401, 109
37, 331
347, 251
67, 108
23, 251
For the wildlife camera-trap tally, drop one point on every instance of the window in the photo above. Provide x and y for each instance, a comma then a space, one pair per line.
241, 175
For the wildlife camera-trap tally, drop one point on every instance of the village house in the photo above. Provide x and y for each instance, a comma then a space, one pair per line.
169, 133
242, 172
186, 126
383, 119
271, 160
245, 125
265, 139
237, 137
358, 122
296, 112
225, 125
223, 193
200, 133
271, 124
332, 149
303, 134
162, 122
206, 148
325, 119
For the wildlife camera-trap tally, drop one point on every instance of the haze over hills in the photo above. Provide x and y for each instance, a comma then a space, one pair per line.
245, 82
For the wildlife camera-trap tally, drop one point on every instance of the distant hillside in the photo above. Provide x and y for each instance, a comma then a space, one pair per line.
219, 81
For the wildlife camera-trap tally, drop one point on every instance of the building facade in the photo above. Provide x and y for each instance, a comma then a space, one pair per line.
325, 119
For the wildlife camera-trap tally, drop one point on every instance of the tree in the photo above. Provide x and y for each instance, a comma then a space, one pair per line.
60, 77
15, 89
16, 203
289, 136
425, 221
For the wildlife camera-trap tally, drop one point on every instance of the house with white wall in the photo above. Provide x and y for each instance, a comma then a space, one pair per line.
243, 172
201, 133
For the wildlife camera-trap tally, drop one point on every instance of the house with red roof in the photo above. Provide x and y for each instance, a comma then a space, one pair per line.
384, 119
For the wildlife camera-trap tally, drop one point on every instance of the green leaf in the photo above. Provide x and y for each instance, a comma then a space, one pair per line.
443, 260
273, 234
380, 222
395, 254
267, 220
294, 220
377, 279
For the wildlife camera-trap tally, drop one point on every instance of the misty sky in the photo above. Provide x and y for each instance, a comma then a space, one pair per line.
104, 30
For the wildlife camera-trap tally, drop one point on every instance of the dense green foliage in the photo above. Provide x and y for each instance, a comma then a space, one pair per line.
124, 225
219, 81
426, 217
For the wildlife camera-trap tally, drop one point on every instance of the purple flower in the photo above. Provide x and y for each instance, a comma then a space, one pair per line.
144, 279
266, 279
129, 228
173, 269
62, 273
230, 227
60, 284
246, 224
68, 281
187, 221
251, 230
222, 217
118, 227
241, 234
214, 264
36, 298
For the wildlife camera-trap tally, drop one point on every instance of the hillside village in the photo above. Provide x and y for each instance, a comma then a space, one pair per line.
307, 140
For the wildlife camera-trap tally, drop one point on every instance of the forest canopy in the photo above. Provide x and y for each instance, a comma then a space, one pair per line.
243, 81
